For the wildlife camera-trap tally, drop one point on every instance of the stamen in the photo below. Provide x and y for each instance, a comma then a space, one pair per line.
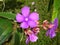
26, 19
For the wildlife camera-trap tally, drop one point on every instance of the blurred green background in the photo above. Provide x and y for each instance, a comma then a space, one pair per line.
43, 7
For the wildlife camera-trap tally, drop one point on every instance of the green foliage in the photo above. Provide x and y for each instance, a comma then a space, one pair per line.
8, 15
56, 8
15, 39
11, 35
54, 14
1, 0
6, 29
58, 38
56, 11
56, 4
50, 4
58, 16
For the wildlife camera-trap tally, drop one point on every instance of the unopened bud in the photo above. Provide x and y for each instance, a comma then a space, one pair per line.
33, 3
50, 25
35, 10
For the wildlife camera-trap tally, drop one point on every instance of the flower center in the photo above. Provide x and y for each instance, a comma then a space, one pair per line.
26, 19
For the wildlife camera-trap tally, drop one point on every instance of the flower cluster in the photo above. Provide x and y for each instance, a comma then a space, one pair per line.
32, 35
29, 22
50, 27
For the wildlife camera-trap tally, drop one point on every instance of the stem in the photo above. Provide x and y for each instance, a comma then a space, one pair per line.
21, 37
3, 5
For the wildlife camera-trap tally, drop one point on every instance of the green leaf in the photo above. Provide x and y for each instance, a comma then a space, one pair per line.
56, 7
5, 30
4, 36
54, 14
1, 0
50, 4
58, 18
58, 38
1, 30
56, 4
15, 39
8, 15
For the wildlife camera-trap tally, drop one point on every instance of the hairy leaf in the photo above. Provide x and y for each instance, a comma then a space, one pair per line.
7, 15
5, 30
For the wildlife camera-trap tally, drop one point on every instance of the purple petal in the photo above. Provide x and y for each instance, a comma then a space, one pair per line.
19, 18
34, 16
32, 24
27, 40
47, 33
25, 11
24, 25
55, 23
52, 34
33, 38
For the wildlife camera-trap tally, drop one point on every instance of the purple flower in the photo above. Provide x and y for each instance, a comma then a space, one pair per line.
32, 38
51, 31
27, 19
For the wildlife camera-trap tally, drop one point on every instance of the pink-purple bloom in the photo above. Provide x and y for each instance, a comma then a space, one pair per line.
51, 31
26, 19
31, 38
32, 35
